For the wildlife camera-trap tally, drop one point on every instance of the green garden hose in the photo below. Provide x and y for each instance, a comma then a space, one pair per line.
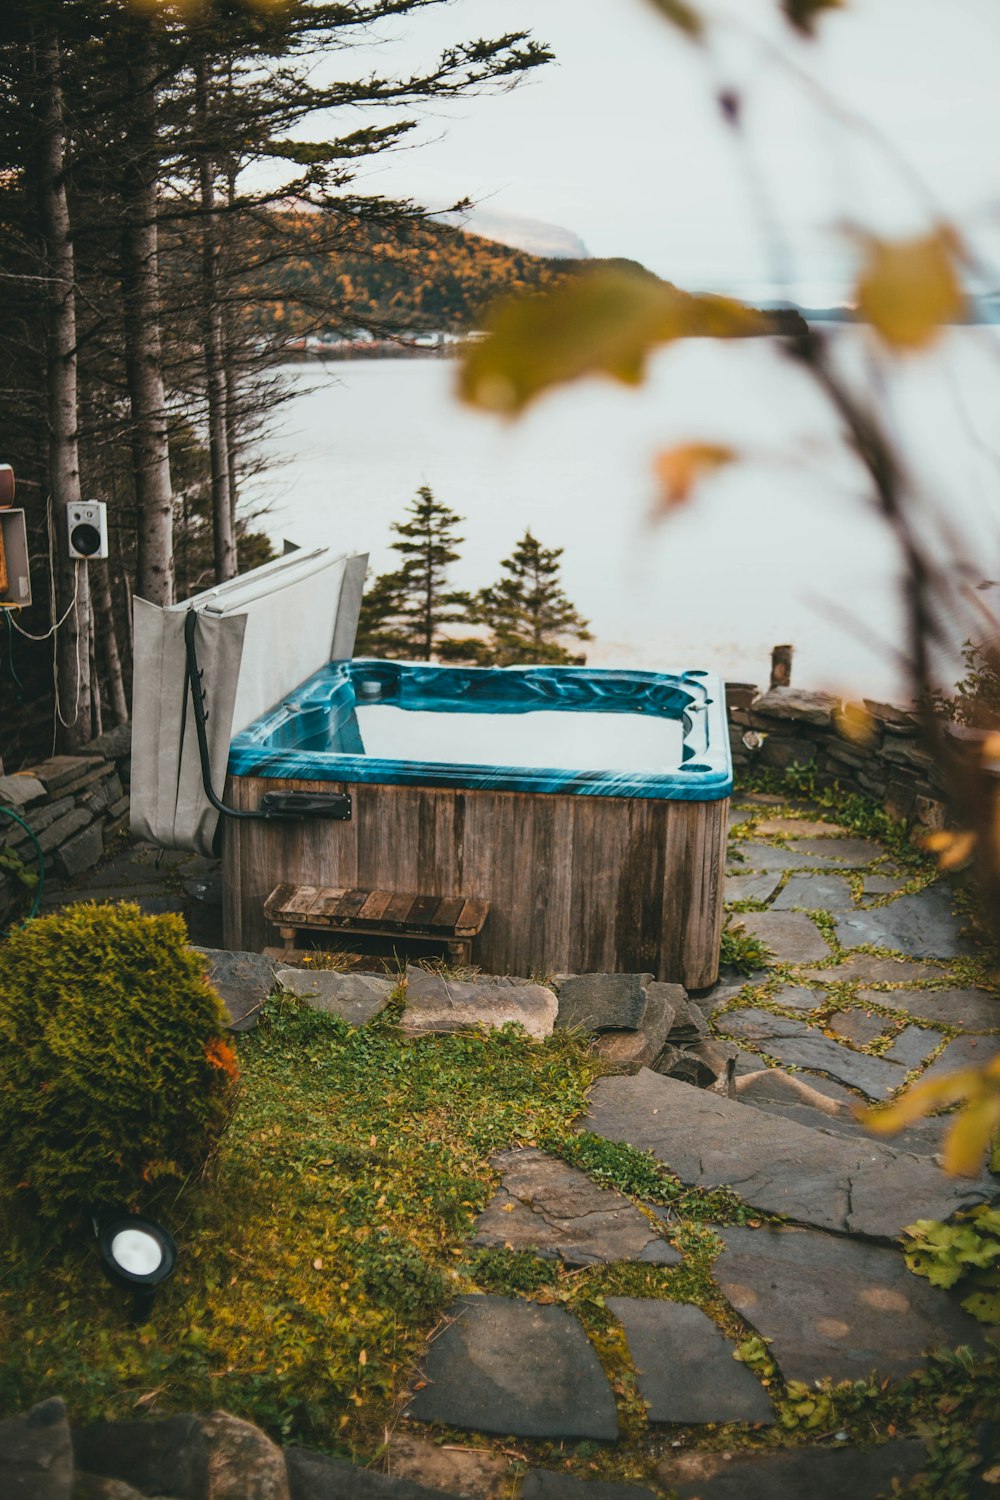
6, 811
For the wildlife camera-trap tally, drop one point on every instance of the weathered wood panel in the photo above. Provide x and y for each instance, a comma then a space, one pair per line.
574, 883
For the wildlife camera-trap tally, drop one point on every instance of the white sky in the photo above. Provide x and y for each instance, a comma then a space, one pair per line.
620, 142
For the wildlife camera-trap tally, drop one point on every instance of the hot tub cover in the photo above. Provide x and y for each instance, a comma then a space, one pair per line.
258, 636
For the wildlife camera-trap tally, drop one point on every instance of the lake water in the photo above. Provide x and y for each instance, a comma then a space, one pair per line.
780, 547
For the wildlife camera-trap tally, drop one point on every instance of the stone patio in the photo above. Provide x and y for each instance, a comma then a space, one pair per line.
819, 1031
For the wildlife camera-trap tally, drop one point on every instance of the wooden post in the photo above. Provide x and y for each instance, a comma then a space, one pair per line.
781, 666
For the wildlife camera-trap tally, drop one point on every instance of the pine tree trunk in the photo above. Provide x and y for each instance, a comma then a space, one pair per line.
143, 344
229, 345
215, 364
107, 641
73, 687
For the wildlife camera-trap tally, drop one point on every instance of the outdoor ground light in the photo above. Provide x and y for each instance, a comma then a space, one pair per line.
136, 1254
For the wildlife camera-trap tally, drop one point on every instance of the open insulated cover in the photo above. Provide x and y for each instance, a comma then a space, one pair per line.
258, 637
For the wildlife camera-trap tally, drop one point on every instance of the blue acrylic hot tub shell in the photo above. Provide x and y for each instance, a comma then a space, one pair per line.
313, 735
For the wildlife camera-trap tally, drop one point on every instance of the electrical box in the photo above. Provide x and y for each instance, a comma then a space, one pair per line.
87, 528
15, 578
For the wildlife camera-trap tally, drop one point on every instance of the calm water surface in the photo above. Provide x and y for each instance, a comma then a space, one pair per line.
782, 546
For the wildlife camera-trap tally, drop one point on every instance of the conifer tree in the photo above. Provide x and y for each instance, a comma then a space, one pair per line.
404, 611
527, 611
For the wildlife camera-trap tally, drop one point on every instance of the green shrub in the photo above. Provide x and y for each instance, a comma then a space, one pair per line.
114, 1068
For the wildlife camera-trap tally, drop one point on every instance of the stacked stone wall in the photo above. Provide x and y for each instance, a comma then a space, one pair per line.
873, 748
75, 805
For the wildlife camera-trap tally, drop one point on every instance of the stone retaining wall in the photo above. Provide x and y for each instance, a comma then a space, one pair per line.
870, 747
74, 804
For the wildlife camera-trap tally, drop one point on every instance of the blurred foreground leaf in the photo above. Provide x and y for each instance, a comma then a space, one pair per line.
977, 1089
953, 847
681, 15
603, 323
679, 469
909, 288
803, 14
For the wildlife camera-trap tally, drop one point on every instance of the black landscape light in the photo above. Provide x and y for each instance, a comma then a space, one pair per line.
136, 1254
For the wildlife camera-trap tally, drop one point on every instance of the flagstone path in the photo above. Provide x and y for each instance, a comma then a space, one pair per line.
824, 1026
827, 1288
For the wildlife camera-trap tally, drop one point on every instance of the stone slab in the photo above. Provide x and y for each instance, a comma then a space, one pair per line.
689, 1020
857, 1187
751, 887
793, 1043
848, 851
547, 1484
37, 819
838, 1308
881, 885
553, 1210
36, 1454
912, 1046
872, 970
818, 892
315, 1476
798, 828
242, 1460
963, 1052
819, 1473
684, 1364
859, 1026
55, 772
437, 1004
967, 1010
17, 791
355, 998
514, 1367
798, 997
921, 926
81, 852
166, 1456
802, 705
242, 981
639, 1049
760, 856
790, 935
603, 1002
63, 828
774, 1086
813, 1100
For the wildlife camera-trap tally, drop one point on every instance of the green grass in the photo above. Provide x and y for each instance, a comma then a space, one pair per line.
317, 1255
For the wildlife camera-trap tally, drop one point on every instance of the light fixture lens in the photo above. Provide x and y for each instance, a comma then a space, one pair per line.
136, 1251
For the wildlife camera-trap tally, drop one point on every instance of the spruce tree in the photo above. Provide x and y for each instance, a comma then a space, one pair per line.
527, 611
404, 611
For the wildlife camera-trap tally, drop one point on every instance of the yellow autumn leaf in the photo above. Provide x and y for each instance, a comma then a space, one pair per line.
908, 288
803, 14
681, 15
603, 322
952, 847
856, 724
679, 469
967, 1140
919, 1100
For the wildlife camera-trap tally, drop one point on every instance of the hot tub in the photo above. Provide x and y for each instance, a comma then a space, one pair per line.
588, 807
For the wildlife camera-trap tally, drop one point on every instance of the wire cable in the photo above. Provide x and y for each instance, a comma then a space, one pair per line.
9, 813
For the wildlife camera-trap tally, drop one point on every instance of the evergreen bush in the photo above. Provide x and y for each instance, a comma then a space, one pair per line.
115, 1072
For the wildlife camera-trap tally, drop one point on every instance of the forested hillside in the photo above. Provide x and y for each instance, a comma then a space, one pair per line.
406, 275
409, 275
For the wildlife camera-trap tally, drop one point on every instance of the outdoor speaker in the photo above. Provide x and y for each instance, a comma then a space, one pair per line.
87, 525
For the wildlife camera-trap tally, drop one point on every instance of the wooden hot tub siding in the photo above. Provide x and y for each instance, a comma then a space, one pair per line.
576, 883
